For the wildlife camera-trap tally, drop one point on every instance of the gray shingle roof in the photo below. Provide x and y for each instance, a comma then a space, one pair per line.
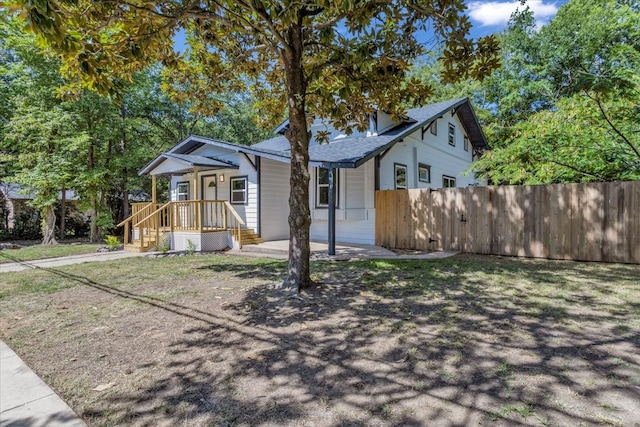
348, 152
354, 151
189, 159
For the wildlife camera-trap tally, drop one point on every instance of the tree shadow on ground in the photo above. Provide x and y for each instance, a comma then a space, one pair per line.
396, 343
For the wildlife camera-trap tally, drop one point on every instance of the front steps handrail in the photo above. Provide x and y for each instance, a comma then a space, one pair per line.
134, 217
239, 223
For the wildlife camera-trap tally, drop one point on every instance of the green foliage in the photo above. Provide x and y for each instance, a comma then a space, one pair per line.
164, 245
26, 226
577, 142
563, 106
113, 243
191, 247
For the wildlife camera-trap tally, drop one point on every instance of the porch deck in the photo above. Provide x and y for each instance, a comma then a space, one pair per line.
149, 222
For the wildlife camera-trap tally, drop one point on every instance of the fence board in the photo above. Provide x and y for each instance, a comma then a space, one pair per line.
589, 222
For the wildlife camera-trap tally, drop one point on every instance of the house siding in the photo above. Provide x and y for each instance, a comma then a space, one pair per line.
434, 151
274, 179
355, 216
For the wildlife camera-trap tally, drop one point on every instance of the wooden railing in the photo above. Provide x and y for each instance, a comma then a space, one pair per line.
138, 211
188, 215
235, 223
157, 221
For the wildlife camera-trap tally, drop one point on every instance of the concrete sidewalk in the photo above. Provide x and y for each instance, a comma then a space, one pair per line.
25, 400
67, 260
344, 251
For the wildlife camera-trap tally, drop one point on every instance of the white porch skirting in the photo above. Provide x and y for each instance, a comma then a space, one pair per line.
204, 242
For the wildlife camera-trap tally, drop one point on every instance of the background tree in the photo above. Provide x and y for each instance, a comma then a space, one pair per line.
323, 59
562, 107
575, 116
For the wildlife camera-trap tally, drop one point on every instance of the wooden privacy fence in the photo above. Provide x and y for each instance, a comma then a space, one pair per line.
586, 222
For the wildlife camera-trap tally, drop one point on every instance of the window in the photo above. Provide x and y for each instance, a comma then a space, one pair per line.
182, 190
239, 190
401, 176
322, 187
433, 127
466, 143
452, 135
424, 172
448, 181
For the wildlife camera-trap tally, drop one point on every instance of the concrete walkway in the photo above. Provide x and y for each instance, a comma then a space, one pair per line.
280, 249
67, 260
25, 400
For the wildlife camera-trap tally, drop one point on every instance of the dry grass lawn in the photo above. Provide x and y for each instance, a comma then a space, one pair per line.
207, 340
37, 251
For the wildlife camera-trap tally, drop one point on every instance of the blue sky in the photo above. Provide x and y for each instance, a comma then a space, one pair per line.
491, 16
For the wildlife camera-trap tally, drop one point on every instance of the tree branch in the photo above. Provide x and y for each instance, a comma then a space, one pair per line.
613, 126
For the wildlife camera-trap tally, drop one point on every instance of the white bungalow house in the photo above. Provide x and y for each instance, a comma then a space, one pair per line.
225, 194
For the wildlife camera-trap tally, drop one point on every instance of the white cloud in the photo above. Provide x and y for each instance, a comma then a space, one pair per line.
489, 13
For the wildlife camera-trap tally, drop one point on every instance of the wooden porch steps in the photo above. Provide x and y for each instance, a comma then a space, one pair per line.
249, 237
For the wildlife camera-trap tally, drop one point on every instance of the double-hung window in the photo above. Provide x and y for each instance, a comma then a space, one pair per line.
239, 190
322, 187
448, 181
400, 174
452, 134
182, 191
424, 172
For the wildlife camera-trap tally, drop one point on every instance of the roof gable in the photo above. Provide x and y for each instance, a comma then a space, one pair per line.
351, 152
347, 152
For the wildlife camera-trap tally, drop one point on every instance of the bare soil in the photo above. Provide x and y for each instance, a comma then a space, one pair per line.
199, 341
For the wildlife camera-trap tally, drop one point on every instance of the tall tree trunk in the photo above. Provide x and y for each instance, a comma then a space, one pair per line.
298, 271
49, 226
125, 171
93, 231
63, 208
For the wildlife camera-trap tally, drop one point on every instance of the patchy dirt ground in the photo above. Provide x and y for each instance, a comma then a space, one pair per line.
468, 340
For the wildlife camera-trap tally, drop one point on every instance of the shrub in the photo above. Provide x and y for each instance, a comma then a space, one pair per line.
113, 243
191, 247
163, 245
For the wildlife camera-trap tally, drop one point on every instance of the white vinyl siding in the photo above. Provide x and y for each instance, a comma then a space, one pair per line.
274, 180
435, 151
355, 218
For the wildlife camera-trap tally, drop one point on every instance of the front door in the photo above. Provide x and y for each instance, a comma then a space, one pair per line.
210, 214
209, 187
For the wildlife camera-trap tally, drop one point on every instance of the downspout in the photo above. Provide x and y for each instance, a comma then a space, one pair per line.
258, 173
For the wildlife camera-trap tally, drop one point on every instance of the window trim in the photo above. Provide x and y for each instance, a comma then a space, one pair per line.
466, 143
395, 176
450, 178
244, 178
178, 184
336, 178
428, 168
433, 127
452, 135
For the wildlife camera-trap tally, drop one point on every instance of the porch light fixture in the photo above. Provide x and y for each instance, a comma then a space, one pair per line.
221, 178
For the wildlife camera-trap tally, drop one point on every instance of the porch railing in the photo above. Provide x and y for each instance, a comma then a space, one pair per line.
138, 211
188, 215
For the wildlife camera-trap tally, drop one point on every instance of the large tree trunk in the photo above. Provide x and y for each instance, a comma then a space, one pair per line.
49, 226
63, 209
94, 236
298, 274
